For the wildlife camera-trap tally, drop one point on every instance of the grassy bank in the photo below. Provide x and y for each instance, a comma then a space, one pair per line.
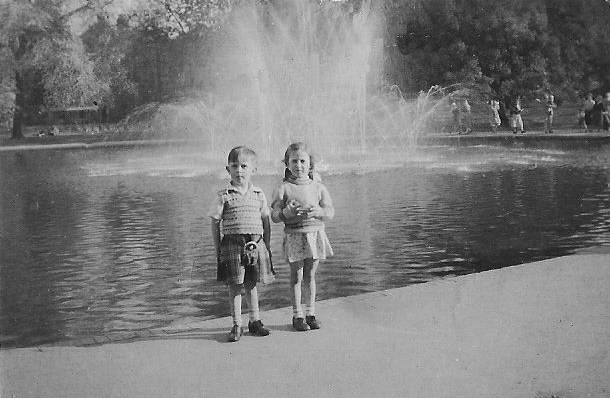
533, 118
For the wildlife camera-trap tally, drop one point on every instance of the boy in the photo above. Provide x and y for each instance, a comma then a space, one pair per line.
241, 232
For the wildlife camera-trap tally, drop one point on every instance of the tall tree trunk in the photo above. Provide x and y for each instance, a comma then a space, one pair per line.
17, 132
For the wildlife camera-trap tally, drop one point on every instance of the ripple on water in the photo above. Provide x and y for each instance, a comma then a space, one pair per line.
120, 325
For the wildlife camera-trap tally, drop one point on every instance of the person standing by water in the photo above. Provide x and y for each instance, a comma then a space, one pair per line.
466, 116
242, 232
456, 117
582, 121
587, 106
303, 205
550, 105
605, 112
516, 122
494, 114
597, 113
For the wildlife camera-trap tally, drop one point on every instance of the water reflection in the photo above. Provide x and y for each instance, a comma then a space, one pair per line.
87, 250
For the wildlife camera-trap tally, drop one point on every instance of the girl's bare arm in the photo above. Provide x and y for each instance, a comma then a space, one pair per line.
326, 211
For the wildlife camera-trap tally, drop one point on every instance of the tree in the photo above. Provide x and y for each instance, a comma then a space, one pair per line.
521, 45
41, 60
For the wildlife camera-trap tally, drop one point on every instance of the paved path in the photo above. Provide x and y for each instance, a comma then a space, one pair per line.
536, 330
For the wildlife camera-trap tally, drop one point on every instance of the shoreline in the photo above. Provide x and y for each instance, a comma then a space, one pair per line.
532, 330
101, 141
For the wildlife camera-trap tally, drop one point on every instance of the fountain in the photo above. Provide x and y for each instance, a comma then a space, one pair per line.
299, 71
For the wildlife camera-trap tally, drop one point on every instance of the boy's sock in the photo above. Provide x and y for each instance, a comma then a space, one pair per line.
235, 303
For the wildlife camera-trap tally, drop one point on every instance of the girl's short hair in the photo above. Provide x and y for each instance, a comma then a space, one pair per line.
241, 152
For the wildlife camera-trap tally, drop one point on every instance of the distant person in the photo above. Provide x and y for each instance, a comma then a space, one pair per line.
466, 111
588, 105
597, 114
494, 114
241, 231
456, 117
605, 120
303, 205
515, 109
582, 121
550, 106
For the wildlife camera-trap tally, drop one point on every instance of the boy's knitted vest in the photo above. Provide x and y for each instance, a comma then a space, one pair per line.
241, 214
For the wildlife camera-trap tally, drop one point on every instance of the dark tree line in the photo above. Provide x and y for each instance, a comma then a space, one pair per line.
507, 45
161, 49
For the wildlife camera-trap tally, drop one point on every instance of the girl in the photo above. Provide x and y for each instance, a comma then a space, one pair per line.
303, 205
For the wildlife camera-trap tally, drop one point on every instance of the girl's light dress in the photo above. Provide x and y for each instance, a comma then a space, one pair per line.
304, 239
300, 246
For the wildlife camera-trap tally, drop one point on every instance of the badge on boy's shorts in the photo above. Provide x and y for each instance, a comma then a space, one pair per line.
250, 253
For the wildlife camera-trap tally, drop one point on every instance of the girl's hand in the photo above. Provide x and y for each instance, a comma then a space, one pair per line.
315, 212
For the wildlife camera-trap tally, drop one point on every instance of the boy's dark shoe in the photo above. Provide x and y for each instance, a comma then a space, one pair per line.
235, 333
257, 328
300, 325
312, 322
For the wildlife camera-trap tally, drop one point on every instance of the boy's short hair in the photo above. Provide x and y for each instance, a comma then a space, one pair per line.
241, 152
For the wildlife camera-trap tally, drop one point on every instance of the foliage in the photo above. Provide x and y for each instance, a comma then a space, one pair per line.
518, 46
180, 17
131, 53
42, 63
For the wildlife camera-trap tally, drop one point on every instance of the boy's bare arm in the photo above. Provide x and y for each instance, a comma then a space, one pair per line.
267, 232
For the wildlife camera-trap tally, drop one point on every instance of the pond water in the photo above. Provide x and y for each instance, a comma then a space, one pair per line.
96, 242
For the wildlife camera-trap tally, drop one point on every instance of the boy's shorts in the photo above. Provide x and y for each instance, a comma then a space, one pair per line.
232, 262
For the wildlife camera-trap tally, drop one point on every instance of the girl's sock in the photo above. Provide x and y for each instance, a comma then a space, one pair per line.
252, 301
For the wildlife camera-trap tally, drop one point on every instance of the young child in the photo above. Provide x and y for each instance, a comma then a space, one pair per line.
582, 121
303, 205
241, 232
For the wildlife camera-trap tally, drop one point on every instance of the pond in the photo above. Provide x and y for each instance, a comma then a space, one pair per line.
100, 242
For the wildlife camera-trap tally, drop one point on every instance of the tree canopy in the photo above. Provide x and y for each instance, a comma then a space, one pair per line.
515, 45
124, 56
